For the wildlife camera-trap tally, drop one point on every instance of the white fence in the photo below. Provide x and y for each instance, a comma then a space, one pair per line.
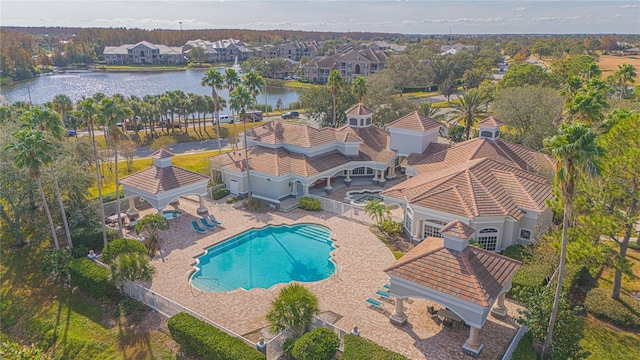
318, 323
346, 210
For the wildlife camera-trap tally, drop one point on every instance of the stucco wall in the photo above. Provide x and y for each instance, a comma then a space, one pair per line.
404, 143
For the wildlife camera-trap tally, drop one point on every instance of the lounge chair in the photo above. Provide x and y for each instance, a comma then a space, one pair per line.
213, 220
384, 295
375, 304
387, 286
206, 224
197, 227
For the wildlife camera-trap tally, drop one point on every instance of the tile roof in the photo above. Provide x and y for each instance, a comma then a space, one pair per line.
476, 188
457, 229
358, 110
282, 132
499, 150
157, 180
415, 121
473, 274
162, 154
490, 121
375, 142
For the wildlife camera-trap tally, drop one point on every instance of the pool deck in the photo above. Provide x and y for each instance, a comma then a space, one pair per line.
360, 259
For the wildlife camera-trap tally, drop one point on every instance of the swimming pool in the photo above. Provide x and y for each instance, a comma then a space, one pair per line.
171, 214
360, 198
261, 258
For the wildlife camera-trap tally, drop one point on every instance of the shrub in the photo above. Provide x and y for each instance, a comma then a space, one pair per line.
391, 227
624, 313
317, 344
109, 197
201, 339
518, 252
219, 193
525, 350
253, 204
310, 204
122, 246
127, 306
358, 348
91, 278
232, 199
287, 346
530, 276
89, 239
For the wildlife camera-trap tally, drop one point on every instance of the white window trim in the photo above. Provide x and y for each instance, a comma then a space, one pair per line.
489, 234
530, 235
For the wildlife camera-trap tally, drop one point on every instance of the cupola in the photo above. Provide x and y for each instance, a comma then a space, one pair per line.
490, 128
359, 116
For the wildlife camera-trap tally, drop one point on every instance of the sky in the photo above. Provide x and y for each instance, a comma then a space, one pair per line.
408, 17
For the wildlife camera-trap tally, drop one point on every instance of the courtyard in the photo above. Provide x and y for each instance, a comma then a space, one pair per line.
360, 258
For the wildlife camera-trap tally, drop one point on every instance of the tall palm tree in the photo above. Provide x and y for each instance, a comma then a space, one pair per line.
113, 111
240, 99
625, 73
576, 153
88, 112
216, 81
294, 308
588, 101
32, 151
254, 83
334, 83
62, 104
469, 109
49, 122
359, 88
232, 80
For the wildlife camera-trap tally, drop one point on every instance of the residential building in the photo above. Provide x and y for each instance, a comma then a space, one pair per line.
385, 46
221, 50
447, 49
143, 53
351, 64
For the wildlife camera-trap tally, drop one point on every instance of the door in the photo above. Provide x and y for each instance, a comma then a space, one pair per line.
233, 187
300, 190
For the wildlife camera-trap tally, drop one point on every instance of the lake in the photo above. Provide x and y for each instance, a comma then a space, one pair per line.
86, 83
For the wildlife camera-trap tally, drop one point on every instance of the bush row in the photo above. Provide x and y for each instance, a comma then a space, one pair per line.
525, 350
91, 278
122, 246
310, 204
219, 193
531, 276
89, 239
358, 348
317, 344
201, 339
624, 313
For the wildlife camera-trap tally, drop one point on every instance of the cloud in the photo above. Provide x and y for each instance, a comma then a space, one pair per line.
617, 15
573, 18
545, 19
628, 6
465, 20
519, 9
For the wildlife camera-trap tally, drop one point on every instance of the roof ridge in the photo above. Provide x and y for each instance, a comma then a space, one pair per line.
479, 290
473, 200
412, 257
491, 194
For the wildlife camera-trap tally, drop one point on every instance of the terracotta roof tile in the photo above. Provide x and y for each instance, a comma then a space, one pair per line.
415, 121
157, 180
358, 110
490, 121
458, 229
473, 274
162, 154
282, 132
375, 142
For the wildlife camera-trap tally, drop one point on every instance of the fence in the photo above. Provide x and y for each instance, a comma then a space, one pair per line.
274, 346
215, 187
346, 210
318, 323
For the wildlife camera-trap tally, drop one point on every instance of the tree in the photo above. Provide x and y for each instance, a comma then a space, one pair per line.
240, 99
377, 210
294, 308
152, 224
529, 113
232, 79
88, 111
542, 48
62, 104
335, 83
626, 73
589, 101
527, 74
254, 83
359, 88
129, 150
216, 81
197, 54
468, 109
32, 151
576, 153
318, 101
133, 266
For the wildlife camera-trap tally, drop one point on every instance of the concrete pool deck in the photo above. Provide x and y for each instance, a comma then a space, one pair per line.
360, 259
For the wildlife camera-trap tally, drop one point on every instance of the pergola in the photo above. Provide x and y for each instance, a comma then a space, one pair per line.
161, 184
469, 281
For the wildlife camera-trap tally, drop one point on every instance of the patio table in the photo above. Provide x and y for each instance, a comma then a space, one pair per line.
114, 218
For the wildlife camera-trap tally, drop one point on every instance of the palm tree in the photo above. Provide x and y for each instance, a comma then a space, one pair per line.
588, 101
335, 83
49, 122
240, 99
214, 79
427, 110
62, 104
377, 210
32, 151
112, 111
232, 80
469, 109
294, 308
254, 82
576, 152
152, 224
359, 88
625, 73
88, 111
132, 267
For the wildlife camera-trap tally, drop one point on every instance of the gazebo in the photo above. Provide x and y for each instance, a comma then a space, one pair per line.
163, 183
467, 280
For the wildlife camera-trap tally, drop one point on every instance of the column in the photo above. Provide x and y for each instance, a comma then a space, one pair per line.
381, 179
132, 212
398, 317
328, 188
347, 181
472, 346
499, 310
160, 211
375, 177
306, 190
202, 210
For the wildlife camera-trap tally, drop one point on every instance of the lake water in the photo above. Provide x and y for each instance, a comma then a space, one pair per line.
86, 83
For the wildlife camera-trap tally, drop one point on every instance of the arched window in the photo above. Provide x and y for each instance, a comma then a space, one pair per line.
356, 69
486, 134
368, 121
353, 121
431, 228
488, 239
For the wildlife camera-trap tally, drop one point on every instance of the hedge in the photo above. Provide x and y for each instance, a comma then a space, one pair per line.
525, 350
91, 278
310, 204
317, 344
358, 348
624, 313
219, 193
527, 277
89, 239
201, 339
122, 246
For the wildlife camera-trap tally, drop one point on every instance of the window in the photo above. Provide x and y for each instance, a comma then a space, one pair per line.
431, 228
486, 134
368, 121
353, 121
366, 66
369, 171
361, 122
525, 234
488, 239
358, 171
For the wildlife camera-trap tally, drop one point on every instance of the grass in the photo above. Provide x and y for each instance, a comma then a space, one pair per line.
609, 63
420, 94
67, 324
141, 68
299, 85
629, 283
606, 343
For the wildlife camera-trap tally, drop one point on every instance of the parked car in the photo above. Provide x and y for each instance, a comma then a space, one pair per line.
224, 119
139, 126
291, 115
71, 132
165, 123
254, 115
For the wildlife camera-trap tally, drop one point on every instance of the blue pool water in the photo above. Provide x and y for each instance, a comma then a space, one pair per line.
171, 214
264, 257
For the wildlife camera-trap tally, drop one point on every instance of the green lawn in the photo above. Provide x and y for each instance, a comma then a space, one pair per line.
605, 343
141, 68
68, 324
299, 85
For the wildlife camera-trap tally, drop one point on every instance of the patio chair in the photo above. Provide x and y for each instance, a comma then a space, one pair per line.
206, 224
213, 220
197, 227
375, 304
387, 286
383, 294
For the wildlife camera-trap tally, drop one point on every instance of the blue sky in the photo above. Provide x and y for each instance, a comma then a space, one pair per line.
413, 17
